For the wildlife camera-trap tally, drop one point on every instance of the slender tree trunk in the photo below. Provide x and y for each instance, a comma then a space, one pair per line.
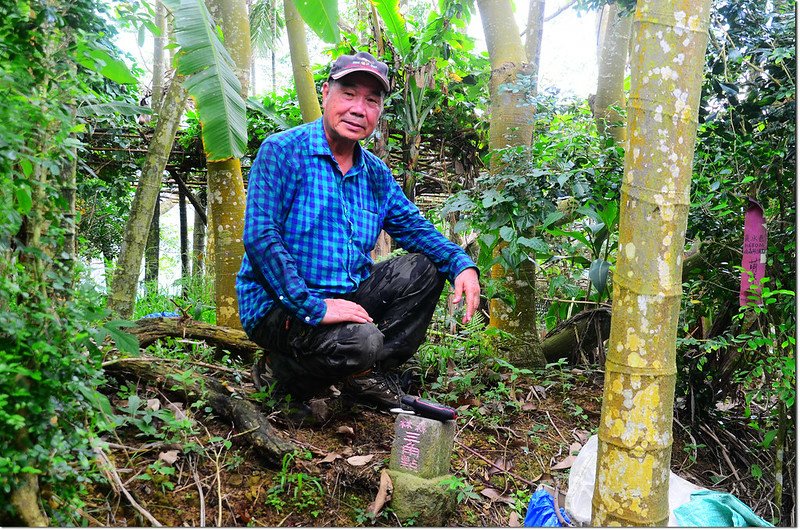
301, 65
533, 37
199, 240
69, 187
159, 62
151, 253
383, 246
226, 196
410, 159
151, 249
635, 435
511, 125
272, 61
184, 231
614, 33
122, 293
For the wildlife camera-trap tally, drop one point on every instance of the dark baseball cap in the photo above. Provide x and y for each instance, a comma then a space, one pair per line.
360, 62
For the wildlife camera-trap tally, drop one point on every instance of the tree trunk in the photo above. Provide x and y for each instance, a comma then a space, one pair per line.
151, 252
184, 231
301, 65
411, 141
122, 293
151, 249
226, 196
25, 500
226, 200
199, 239
69, 187
511, 125
614, 33
383, 246
635, 434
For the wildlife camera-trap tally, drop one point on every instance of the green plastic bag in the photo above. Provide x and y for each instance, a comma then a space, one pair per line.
712, 508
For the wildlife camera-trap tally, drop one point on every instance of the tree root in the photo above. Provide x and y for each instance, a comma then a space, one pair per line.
247, 418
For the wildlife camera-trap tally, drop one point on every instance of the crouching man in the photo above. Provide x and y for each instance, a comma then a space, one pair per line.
308, 291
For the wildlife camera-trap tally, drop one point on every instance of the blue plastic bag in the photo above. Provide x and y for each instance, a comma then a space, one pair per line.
541, 511
163, 314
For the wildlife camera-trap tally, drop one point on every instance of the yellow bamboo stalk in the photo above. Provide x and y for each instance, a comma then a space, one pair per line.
635, 435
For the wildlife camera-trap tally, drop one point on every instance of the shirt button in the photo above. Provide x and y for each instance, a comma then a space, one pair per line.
308, 319
280, 298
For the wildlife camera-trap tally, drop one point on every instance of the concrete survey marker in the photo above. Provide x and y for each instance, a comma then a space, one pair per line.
418, 467
422, 447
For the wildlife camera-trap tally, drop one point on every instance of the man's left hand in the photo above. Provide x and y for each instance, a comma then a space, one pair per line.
466, 283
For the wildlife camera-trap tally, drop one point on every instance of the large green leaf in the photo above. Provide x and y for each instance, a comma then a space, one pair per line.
210, 79
91, 57
389, 10
322, 16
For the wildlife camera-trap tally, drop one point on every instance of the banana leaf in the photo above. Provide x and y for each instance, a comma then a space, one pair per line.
210, 80
389, 10
322, 16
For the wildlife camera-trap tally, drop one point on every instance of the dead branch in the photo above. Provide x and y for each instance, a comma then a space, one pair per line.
150, 330
500, 469
111, 472
200, 493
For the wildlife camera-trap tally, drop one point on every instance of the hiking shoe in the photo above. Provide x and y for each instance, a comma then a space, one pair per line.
261, 374
378, 388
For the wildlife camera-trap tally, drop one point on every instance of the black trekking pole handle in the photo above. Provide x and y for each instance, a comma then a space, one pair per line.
429, 409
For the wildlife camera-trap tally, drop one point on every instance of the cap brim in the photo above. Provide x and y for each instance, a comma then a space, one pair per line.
360, 68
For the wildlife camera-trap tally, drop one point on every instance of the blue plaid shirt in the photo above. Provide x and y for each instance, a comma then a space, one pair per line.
309, 231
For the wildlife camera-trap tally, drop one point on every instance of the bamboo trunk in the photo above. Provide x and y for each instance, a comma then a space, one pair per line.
635, 434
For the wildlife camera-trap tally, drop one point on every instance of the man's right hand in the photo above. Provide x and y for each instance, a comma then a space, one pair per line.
339, 310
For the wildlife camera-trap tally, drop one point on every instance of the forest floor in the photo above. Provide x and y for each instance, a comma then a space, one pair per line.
184, 467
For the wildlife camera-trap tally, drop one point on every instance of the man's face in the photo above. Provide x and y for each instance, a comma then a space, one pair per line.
352, 106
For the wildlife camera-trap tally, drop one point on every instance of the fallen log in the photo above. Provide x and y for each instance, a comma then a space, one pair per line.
576, 338
251, 423
235, 341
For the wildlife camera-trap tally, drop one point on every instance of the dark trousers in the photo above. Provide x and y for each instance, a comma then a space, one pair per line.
400, 295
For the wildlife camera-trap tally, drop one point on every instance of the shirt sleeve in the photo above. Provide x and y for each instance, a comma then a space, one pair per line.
414, 233
270, 190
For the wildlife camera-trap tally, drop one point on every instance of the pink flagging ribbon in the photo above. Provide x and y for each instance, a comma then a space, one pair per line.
754, 252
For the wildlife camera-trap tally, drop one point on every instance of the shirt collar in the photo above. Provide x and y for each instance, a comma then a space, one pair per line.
318, 145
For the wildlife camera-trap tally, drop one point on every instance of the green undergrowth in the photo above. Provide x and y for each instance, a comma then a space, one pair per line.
193, 296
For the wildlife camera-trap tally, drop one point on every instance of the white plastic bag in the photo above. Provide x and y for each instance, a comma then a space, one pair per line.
581, 486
